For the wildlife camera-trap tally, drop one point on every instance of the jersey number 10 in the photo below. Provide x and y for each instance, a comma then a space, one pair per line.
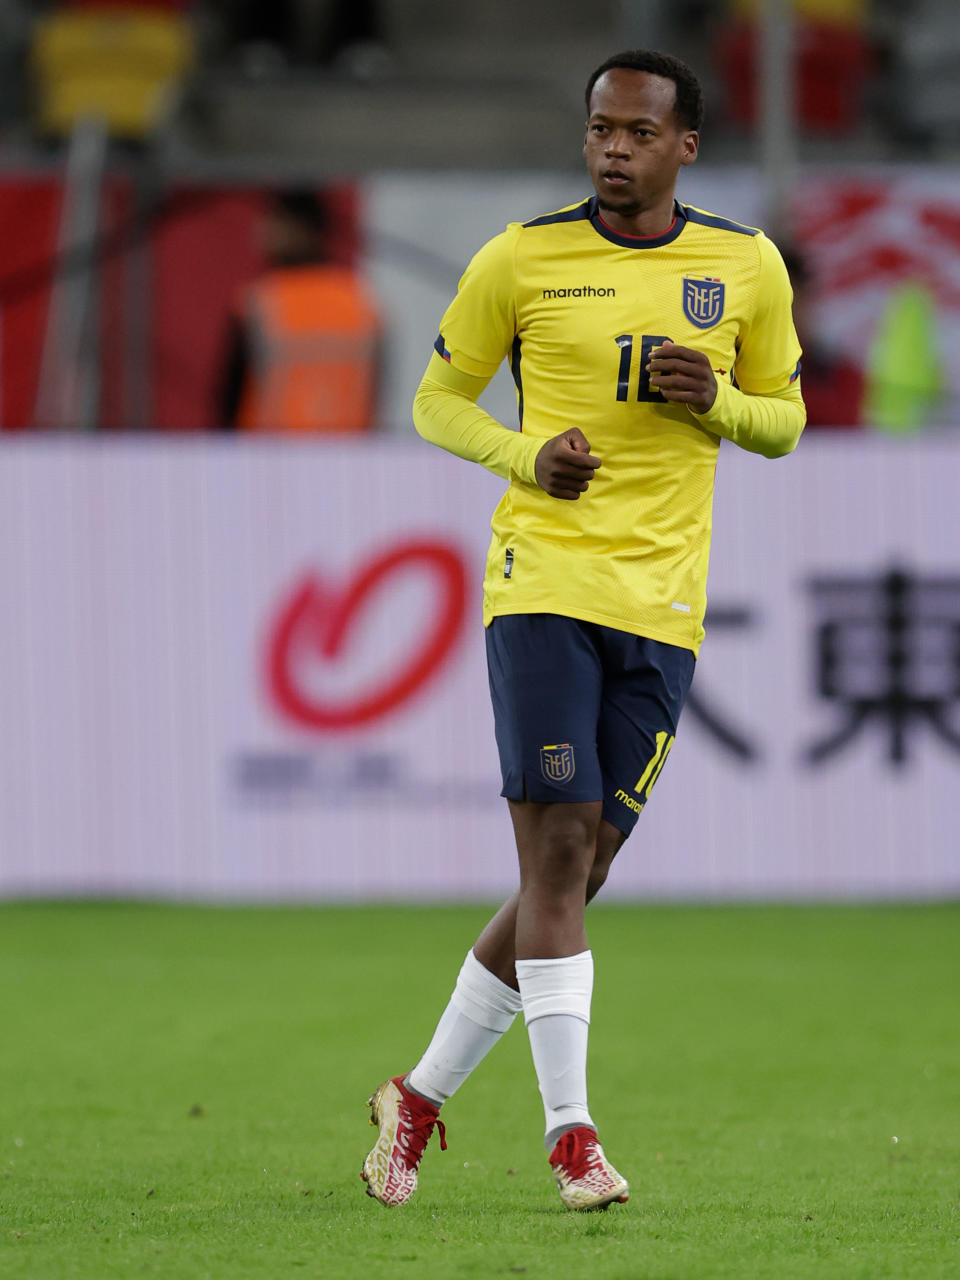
647, 342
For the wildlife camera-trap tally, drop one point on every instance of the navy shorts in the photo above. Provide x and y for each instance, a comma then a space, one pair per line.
583, 712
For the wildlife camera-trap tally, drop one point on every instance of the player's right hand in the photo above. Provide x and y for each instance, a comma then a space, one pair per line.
565, 465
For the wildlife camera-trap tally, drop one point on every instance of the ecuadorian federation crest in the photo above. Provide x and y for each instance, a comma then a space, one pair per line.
703, 301
557, 763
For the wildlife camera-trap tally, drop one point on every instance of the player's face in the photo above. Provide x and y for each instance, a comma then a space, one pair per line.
634, 146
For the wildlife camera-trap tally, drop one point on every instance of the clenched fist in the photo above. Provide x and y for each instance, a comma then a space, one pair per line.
565, 465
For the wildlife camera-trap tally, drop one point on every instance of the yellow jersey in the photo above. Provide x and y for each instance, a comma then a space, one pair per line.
577, 307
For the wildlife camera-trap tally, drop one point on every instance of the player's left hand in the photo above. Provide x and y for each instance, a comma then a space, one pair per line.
683, 376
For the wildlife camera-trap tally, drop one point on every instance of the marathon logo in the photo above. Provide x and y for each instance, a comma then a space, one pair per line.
629, 801
582, 291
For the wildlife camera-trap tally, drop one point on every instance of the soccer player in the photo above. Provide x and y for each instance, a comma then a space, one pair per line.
640, 332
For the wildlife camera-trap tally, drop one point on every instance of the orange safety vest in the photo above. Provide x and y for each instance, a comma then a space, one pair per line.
314, 333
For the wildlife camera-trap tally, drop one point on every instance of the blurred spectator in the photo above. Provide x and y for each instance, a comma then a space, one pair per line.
304, 348
906, 395
832, 384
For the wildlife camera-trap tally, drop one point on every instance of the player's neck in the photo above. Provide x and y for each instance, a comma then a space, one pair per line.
644, 223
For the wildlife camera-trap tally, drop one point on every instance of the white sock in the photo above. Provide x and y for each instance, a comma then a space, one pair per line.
481, 1009
556, 1008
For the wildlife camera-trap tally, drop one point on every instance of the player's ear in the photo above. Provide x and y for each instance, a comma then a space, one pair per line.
689, 147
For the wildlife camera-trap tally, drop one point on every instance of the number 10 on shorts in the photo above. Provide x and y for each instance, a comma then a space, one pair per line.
656, 763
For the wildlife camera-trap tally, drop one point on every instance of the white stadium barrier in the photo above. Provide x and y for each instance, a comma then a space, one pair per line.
254, 670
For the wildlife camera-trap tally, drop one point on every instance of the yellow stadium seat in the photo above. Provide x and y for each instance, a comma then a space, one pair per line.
118, 65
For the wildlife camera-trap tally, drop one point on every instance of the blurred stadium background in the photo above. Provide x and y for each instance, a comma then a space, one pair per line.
248, 665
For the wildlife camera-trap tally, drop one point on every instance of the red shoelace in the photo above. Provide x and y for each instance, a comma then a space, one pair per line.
574, 1150
422, 1118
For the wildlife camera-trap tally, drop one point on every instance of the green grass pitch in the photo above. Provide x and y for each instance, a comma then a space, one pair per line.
182, 1090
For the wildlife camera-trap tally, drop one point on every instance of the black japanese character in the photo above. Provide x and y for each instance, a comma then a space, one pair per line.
887, 649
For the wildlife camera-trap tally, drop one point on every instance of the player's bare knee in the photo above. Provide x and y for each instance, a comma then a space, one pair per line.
571, 843
560, 860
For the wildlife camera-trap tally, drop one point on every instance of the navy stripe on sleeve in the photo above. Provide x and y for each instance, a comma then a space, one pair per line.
579, 214
722, 224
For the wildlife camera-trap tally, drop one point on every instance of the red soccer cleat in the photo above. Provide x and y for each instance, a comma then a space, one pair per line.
585, 1177
406, 1122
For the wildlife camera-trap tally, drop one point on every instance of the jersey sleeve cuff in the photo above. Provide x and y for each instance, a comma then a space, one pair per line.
720, 411
523, 463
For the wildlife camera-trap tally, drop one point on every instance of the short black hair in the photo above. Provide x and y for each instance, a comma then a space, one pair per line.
688, 107
302, 205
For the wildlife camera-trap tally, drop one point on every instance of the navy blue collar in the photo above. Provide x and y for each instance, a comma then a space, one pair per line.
637, 242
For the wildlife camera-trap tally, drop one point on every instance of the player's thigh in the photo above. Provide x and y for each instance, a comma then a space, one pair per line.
546, 685
645, 686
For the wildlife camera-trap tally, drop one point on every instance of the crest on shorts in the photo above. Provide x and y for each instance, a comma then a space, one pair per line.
557, 763
703, 301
